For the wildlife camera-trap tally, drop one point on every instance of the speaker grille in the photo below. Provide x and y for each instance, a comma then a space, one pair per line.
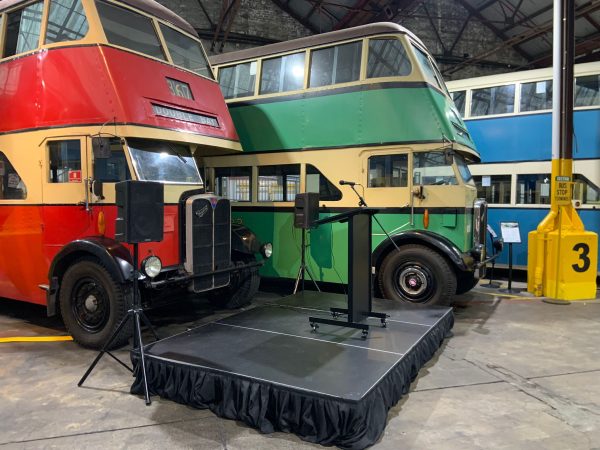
208, 240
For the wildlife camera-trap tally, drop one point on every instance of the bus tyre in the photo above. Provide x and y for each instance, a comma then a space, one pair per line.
92, 304
243, 286
417, 274
465, 283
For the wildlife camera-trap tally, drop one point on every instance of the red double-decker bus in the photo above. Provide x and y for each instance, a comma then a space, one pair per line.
94, 92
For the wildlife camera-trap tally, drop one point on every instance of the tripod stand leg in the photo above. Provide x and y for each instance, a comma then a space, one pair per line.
312, 278
298, 279
149, 325
142, 358
105, 348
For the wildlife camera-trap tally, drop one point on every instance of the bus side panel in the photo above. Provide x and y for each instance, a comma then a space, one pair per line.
529, 137
23, 265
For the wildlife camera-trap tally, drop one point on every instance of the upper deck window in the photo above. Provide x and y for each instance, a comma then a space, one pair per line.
459, 98
282, 74
333, 65
23, 29
66, 21
186, 52
536, 96
387, 58
238, 81
130, 30
427, 68
493, 100
587, 91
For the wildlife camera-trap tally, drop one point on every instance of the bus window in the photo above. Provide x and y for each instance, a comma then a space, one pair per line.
431, 168
130, 30
388, 171
282, 74
427, 68
459, 98
333, 65
186, 52
234, 183
113, 168
493, 100
536, 96
587, 91
387, 58
238, 81
23, 29
494, 188
66, 21
65, 161
585, 191
533, 189
278, 183
316, 182
163, 161
12, 185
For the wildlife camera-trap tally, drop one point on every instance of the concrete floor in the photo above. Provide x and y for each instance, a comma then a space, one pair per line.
518, 373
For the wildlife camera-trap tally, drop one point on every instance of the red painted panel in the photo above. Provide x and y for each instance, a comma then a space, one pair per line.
98, 84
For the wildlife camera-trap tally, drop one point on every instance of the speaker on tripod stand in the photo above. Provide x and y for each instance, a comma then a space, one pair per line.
306, 212
140, 218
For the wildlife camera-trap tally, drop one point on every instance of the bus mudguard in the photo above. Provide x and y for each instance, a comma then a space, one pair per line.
113, 255
243, 240
462, 261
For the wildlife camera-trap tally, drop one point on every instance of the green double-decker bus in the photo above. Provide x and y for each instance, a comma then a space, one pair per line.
367, 105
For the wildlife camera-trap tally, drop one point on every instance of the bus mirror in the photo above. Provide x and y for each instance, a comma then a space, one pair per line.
101, 147
98, 189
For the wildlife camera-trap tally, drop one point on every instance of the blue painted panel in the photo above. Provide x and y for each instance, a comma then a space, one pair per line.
529, 137
528, 220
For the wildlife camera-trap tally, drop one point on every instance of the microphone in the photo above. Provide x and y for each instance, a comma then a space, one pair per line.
349, 183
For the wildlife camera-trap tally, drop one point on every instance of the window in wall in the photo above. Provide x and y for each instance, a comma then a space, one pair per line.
388, 171
186, 52
426, 67
238, 81
533, 189
234, 183
278, 183
282, 74
494, 188
536, 96
459, 98
11, 184
585, 191
587, 91
130, 30
65, 161
316, 182
333, 65
493, 100
433, 168
66, 21
387, 58
23, 29
113, 166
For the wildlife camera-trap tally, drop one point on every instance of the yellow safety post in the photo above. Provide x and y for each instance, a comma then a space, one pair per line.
562, 257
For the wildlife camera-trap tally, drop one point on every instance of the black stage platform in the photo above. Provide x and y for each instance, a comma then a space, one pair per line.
268, 369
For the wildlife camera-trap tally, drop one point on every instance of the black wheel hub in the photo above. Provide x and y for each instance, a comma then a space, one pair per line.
90, 304
414, 282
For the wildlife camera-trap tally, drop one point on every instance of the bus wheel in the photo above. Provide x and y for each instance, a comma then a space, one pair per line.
92, 304
243, 286
465, 283
417, 274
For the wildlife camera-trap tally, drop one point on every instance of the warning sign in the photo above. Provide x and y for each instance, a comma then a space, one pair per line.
74, 176
562, 190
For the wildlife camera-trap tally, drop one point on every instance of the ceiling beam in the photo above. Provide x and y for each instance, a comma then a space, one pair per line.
284, 6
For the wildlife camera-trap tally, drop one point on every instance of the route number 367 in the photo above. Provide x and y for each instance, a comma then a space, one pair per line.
584, 260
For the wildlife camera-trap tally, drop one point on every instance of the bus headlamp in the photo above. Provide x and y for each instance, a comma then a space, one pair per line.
152, 266
267, 250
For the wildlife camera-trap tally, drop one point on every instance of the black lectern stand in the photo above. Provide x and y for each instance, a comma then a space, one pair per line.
359, 271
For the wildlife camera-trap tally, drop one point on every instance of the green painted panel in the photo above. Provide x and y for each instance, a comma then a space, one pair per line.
328, 245
374, 116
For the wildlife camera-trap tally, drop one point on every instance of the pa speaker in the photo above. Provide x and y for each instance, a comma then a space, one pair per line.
140, 211
306, 209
